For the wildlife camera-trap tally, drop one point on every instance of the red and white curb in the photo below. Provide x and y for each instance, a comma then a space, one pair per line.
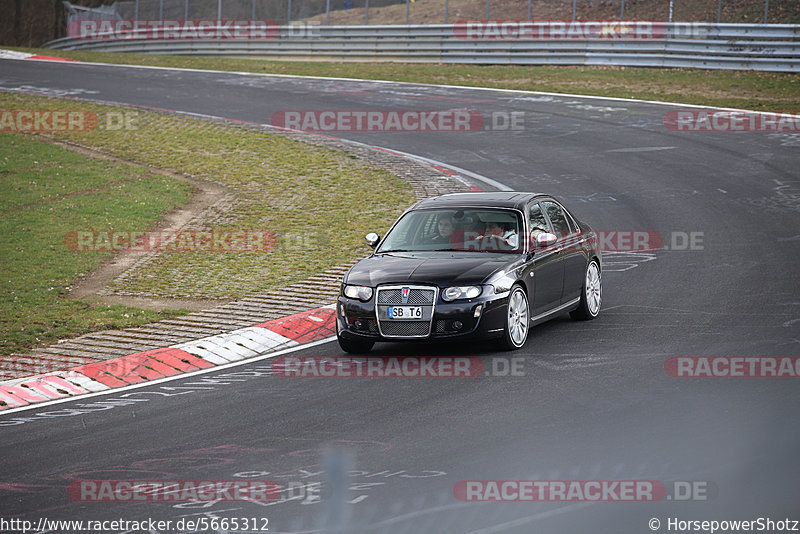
221, 349
13, 54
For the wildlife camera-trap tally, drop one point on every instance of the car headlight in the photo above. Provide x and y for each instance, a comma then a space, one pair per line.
358, 292
461, 292
502, 282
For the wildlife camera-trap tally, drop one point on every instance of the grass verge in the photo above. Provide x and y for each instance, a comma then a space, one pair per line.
44, 190
760, 91
316, 201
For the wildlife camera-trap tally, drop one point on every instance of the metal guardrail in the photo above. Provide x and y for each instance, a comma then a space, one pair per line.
774, 47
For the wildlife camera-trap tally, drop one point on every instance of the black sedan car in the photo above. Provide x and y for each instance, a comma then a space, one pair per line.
471, 264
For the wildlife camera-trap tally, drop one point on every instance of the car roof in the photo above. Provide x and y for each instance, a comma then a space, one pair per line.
499, 199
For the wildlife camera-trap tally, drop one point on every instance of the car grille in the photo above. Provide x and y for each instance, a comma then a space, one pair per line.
405, 328
416, 297
393, 296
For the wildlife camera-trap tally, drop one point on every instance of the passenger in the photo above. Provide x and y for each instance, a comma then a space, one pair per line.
505, 235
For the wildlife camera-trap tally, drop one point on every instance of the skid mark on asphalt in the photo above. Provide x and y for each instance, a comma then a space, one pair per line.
784, 196
787, 139
47, 91
570, 362
625, 261
593, 197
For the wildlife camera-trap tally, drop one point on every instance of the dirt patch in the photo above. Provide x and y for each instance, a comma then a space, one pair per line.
91, 286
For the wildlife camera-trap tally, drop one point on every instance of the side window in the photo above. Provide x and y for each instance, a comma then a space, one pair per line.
556, 215
538, 220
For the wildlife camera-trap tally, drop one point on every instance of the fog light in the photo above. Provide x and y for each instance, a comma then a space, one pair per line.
478, 310
457, 325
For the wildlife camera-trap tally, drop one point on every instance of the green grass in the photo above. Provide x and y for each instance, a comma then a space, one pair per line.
45, 191
318, 202
763, 91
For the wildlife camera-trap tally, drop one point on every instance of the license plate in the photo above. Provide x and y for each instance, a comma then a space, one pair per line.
405, 312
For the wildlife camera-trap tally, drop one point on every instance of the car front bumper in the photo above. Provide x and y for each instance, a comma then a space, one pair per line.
480, 317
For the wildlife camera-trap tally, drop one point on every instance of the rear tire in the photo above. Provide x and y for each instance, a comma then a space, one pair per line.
591, 294
518, 325
355, 346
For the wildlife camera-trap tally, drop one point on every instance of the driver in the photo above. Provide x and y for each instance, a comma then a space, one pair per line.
445, 229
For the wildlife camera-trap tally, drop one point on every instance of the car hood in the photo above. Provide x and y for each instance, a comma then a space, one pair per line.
440, 268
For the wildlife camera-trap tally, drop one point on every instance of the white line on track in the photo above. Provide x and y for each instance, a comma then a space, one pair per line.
488, 181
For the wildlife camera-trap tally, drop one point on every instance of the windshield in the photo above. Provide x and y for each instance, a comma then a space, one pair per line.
467, 229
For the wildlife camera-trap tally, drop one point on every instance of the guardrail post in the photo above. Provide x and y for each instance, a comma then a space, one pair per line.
622, 12
136, 11
487, 9
327, 12
336, 512
766, 9
288, 11
161, 10
253, 16
530, 9
671, 5
219, 9
446, 9
719, 10
366, 13
574, 6
408, 3
186, 9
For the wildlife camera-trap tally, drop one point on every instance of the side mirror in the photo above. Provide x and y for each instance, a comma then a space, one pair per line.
545, 239
372, 239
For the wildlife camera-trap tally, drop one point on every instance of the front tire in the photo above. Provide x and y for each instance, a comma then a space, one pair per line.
354, 346
517, 326
591, 294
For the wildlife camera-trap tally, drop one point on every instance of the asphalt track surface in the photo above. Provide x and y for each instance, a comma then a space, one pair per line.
594, 401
